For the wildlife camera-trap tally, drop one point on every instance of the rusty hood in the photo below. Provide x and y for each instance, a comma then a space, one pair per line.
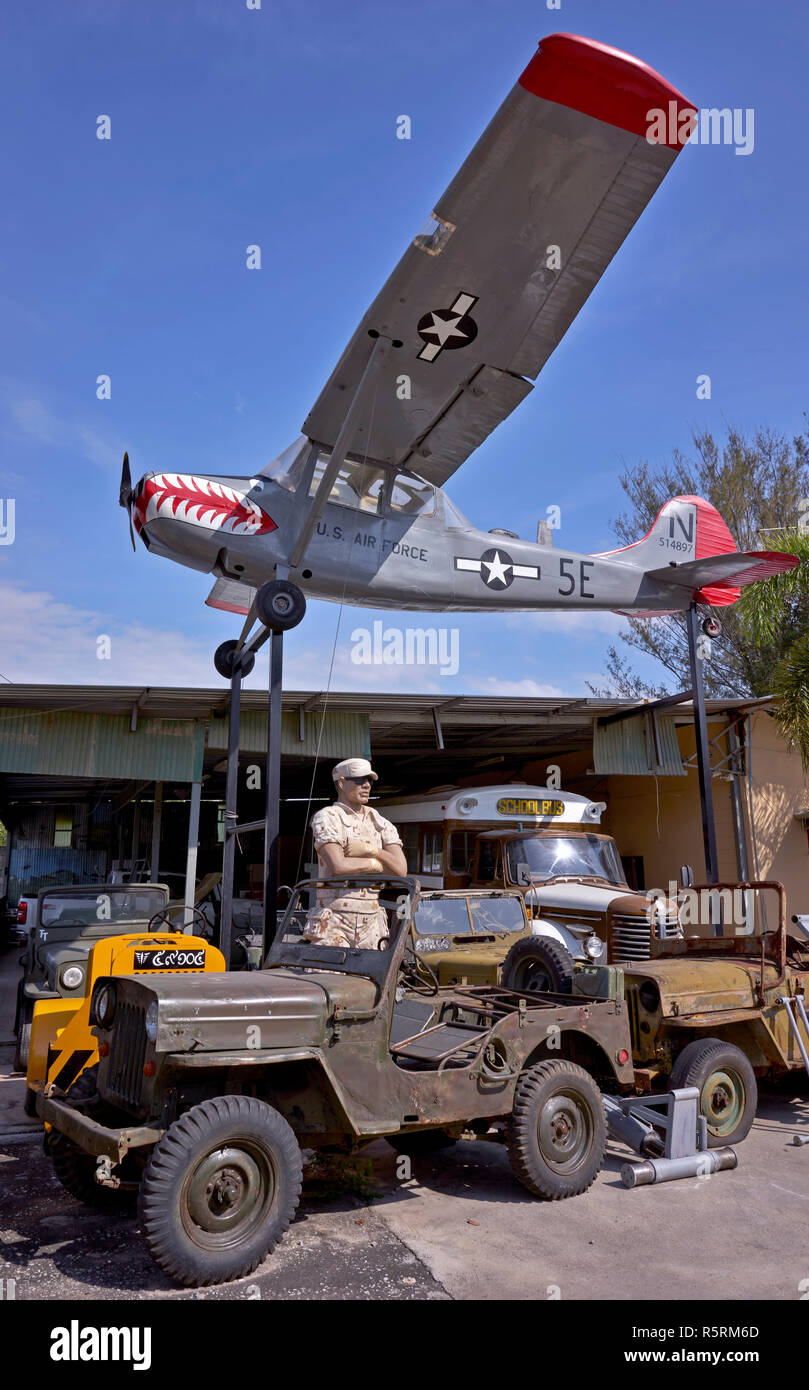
702, 984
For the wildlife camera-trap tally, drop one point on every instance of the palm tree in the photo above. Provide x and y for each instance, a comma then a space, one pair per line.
775, 612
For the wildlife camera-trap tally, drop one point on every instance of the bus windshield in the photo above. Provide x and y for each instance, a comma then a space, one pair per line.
566, 856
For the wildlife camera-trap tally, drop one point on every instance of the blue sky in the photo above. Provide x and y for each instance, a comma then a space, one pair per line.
277, 127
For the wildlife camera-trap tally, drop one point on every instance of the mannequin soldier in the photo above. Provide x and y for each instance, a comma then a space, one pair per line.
350, 837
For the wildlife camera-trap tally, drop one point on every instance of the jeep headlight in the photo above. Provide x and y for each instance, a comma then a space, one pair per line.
432, 943
593, 946
151, 1021
71, 976
102, 1007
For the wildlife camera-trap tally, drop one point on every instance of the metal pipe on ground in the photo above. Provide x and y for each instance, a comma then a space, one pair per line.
652, 1170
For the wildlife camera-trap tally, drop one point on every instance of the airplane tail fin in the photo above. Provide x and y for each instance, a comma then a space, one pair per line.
689, 546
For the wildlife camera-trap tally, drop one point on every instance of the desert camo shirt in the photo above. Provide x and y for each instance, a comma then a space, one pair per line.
355, 918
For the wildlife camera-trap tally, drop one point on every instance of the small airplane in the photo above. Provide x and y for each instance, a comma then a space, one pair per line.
354, 511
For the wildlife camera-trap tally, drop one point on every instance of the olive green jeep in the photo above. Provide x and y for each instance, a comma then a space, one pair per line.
209, 1086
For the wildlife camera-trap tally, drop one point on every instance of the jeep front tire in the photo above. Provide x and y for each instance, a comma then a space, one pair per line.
220, 1190
536, 963
556, 1133
728, 1094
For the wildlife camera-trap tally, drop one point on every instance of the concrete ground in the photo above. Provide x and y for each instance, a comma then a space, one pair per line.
459, 1227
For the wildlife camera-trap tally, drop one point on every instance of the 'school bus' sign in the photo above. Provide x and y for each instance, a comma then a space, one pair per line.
522, 806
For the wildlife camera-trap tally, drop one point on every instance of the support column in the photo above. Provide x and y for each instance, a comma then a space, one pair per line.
191, 860
231, 803
273, 790
703, 754
157, 825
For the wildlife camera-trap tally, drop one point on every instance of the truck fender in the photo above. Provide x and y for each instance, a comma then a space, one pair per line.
571, 942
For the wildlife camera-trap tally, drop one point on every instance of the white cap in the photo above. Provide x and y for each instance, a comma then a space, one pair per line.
354, 767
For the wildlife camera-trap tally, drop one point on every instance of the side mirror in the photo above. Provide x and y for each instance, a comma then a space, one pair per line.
523, 875
686, 876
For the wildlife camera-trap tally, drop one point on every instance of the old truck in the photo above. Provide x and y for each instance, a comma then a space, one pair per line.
67, 924
548, 845
722, 1005
209, 1086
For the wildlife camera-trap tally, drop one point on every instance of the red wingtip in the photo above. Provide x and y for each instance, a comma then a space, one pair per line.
608, 84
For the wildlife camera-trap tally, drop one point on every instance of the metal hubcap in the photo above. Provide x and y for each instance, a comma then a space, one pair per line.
564, 1131
723, 1100
281, 604
228, 1194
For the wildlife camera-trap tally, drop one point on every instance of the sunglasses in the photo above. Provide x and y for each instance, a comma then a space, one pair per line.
360, 781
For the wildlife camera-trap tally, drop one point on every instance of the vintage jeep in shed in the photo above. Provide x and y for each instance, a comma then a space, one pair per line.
208, 1086
721, 1006
69, 922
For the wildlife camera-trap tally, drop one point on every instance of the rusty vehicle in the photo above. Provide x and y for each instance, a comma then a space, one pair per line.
66, 925
209, 1086
548, 845
720, 1007
62, 1044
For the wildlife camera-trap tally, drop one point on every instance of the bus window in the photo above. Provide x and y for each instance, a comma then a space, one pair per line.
432, 859
461, 851
489, 861
410, 845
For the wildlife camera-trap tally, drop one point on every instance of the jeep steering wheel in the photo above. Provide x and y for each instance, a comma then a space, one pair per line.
198, 919
411, 967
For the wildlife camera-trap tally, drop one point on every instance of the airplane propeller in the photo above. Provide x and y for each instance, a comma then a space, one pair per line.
125, 496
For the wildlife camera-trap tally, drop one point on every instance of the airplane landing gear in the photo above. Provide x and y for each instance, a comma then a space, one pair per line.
224, 660
280, 605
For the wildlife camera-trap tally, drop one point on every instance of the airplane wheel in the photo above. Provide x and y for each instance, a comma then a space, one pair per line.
223, 660
280, 605
711, 627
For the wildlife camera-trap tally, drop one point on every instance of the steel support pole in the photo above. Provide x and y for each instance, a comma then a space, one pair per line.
703, 752
157, 822
231, 801
273, 790
191, 860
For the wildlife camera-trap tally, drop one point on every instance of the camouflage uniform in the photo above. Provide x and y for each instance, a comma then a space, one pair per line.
354, 918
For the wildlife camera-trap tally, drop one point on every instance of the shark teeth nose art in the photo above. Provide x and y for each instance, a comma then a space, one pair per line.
202, 502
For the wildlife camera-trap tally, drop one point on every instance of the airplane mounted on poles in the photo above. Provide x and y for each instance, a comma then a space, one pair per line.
355, 511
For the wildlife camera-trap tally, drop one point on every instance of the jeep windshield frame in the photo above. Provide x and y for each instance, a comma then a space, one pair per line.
125, 904
291, 951
575, 856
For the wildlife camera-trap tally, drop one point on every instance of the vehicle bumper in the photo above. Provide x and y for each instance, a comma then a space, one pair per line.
90, 1136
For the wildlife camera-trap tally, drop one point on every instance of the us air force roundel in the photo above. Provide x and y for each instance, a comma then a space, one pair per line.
496, 568
447, 328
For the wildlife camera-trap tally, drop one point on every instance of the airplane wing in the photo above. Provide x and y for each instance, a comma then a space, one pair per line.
231, 596
525, 230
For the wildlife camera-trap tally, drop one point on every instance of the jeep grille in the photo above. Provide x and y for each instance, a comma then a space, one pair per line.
127, 1051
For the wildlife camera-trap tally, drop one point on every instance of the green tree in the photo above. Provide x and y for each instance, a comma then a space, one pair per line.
756, 483
775, 613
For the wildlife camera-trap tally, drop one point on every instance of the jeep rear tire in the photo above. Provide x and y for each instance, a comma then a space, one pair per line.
220, 1190
556, 1133
75, 1169
727, 1085
536, 963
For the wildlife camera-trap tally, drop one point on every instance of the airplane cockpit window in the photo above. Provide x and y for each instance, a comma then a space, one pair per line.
357, 485
288, 467
453, 517
412, 496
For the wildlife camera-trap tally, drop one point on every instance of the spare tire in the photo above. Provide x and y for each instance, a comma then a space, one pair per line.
538, 964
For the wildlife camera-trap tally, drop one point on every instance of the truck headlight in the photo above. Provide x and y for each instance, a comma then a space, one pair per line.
102, 1008
593, 946
71, 976
151, 1022
432, 943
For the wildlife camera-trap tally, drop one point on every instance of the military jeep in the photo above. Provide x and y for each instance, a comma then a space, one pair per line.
721, 1006
69, 922
209, 1086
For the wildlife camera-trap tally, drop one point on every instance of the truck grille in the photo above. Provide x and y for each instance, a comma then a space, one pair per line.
127, 1051
629, 936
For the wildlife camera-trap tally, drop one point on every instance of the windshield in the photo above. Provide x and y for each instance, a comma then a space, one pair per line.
106, 905
348, 925
557, 856
446, 916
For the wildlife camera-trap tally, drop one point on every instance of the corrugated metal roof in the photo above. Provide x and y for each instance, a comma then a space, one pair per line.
72, 744
343, 734
627, 746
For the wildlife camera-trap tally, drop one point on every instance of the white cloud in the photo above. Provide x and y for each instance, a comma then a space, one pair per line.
571, 623
490, 685
35, 419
